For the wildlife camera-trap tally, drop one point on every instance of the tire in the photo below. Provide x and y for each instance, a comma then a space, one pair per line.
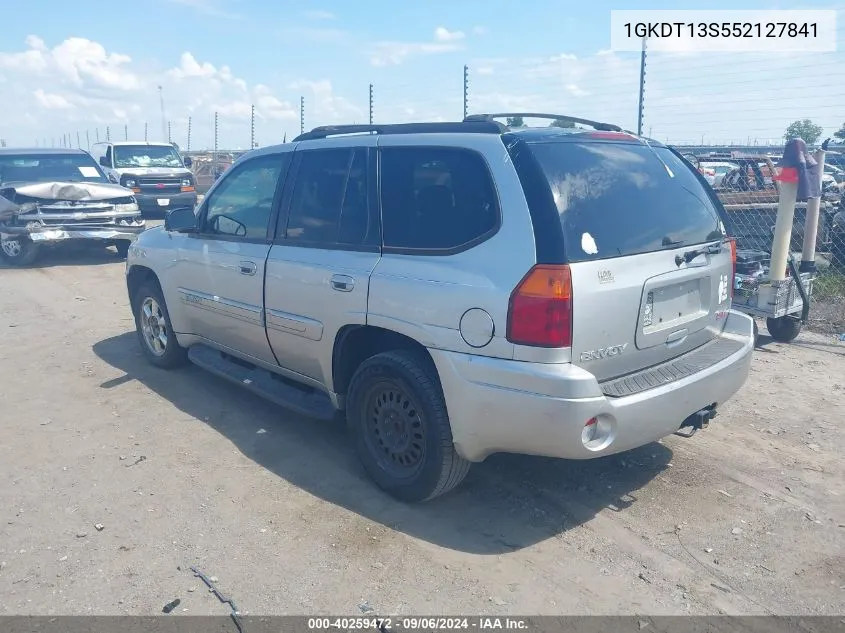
756, 333
122, 247
394, 399
19, 252
784, 329
149, 304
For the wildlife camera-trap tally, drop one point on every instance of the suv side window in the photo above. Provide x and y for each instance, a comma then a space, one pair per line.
330, 205
241, 205
436, 198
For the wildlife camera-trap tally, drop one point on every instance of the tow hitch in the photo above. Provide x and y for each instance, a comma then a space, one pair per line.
698, 420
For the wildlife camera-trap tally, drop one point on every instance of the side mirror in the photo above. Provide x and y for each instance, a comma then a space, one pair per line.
188, 161
113, 178
104, 161
180, 220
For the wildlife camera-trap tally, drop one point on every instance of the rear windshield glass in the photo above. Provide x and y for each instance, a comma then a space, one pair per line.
618, 199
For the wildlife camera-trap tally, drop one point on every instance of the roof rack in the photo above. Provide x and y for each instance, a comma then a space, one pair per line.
604, 127
477, 127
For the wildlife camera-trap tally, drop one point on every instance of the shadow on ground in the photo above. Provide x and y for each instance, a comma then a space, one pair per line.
70, 254
507, 503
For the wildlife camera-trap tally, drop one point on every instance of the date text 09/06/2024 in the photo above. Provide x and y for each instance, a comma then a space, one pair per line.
721, 29
388, 624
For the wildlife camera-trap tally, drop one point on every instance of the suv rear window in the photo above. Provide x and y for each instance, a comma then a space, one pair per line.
617, 199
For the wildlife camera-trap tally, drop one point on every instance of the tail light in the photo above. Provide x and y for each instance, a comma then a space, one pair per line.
540, 308
732, 244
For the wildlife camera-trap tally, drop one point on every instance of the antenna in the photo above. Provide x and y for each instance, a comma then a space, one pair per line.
163, 117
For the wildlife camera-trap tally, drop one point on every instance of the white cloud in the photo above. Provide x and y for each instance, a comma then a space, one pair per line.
323, 106
394, 53
442, 34
78, 85
51, 101
319, 14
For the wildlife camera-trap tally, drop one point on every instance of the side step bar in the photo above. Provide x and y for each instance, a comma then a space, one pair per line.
698, 420
263, 383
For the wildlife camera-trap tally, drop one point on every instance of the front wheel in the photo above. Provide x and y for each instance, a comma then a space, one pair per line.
784, 329
397, 411
155, 333
122, 247
19, 251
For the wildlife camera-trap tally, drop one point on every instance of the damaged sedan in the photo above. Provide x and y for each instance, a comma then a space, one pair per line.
49, 196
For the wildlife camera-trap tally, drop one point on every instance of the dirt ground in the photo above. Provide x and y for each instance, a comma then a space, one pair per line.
180, 469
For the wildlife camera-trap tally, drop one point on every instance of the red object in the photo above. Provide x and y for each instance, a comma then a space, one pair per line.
787, 174
160, 185
613, 136
540, 308
732, 242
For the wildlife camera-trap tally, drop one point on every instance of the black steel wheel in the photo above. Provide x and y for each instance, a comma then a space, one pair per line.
395, 406
394, 428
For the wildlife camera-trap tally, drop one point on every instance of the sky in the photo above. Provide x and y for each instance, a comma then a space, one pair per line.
74, 69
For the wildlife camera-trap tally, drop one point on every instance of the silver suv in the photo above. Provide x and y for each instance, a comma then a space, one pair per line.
458, 289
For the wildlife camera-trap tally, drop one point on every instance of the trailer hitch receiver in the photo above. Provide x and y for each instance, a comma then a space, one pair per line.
698, 420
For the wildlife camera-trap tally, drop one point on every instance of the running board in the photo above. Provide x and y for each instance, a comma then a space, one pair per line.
305, 401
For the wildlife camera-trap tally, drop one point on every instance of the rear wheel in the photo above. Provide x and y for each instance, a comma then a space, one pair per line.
783, 329
396, 408
19, 251
155, 333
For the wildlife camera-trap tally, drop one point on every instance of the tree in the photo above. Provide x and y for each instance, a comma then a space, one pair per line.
805, 129
561, 123
515, 121
840, 133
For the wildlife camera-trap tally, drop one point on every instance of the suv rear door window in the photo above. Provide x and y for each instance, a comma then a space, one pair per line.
436, 198
617, 199
330, 203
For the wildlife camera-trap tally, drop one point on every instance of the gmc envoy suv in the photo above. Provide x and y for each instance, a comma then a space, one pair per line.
456, 290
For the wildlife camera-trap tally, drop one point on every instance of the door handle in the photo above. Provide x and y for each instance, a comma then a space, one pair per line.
247, 268
342, 283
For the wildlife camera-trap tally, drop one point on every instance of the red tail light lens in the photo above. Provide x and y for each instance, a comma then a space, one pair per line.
540, 310
732, 243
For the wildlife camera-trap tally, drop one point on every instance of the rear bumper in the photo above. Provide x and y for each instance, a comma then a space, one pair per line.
540, 409
163, 202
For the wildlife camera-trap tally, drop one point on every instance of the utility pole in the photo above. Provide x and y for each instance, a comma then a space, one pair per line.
252, 128
163, 117
189, 134
97, 132
302, 115
125, 132
108, 134
87, 140
466, 91
371, 104
169, 134
146, 139
78, 142
642, 90
214, 155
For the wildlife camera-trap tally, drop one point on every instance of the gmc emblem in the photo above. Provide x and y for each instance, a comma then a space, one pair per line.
603, 352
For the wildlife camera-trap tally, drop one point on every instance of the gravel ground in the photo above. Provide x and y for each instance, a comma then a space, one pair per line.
117, 477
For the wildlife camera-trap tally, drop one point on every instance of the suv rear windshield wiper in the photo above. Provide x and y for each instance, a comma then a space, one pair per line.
710, 249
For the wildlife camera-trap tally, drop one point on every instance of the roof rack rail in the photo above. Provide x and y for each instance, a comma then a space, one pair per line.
604, 127
478, 127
